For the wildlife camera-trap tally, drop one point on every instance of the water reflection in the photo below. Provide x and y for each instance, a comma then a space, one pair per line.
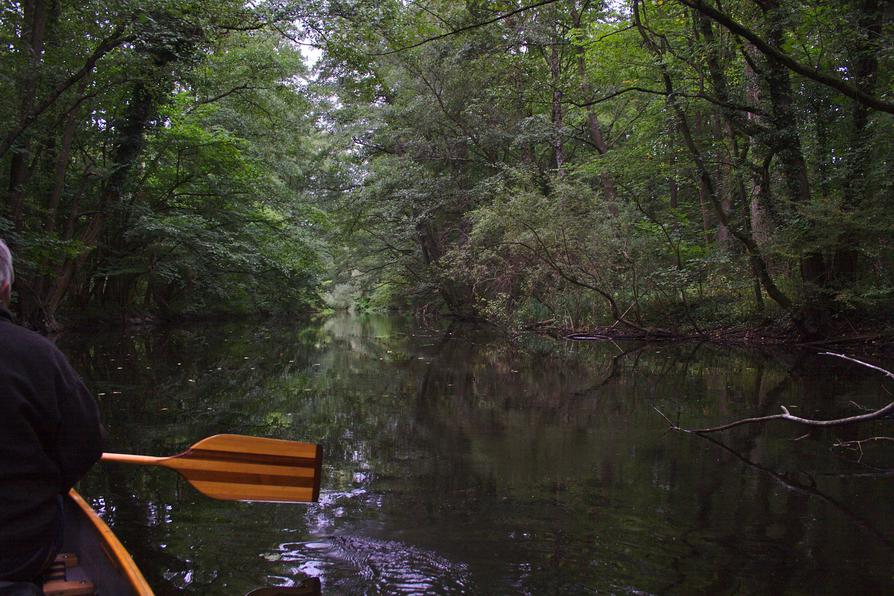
375, 565
459, 463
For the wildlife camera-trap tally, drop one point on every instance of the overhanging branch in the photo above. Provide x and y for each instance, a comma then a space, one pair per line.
505, 15
775, 54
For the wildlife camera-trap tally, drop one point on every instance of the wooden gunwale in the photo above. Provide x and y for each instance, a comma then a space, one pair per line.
118, 555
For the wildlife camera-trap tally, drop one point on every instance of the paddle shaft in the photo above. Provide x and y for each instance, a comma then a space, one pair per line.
140, 460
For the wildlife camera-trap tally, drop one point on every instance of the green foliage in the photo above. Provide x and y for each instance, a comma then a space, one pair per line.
573, 162
186, 186
486, 181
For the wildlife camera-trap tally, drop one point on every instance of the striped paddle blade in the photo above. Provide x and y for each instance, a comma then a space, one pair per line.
243, 468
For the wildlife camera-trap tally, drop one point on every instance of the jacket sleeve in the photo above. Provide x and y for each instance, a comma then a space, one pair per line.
80, 436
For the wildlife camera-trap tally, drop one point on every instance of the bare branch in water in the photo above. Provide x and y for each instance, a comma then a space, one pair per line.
788, 416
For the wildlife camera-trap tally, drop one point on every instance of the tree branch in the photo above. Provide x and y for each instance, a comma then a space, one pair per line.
505, 15
857, 445
718, 102
811, 73
219, 96
786, 415
104, 48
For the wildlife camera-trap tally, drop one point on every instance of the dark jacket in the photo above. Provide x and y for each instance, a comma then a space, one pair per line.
50, 435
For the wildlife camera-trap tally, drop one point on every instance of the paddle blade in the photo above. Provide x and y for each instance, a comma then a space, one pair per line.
242, 468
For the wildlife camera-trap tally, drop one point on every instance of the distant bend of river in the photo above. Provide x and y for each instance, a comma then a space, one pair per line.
458, 463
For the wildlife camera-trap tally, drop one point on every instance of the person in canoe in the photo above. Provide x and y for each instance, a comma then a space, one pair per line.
50, 435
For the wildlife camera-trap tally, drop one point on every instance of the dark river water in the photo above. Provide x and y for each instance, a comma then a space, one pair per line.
459, 463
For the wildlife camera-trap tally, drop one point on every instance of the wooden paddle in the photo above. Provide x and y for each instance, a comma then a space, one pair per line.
241, 468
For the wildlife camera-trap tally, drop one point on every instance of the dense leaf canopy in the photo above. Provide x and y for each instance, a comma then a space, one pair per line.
670, 164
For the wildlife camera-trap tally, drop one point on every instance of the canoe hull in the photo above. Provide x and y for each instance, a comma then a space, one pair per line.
101, 556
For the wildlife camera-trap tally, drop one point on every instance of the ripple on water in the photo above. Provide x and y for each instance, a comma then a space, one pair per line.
377, 565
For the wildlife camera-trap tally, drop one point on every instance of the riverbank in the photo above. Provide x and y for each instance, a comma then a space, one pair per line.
864, 339
864, 336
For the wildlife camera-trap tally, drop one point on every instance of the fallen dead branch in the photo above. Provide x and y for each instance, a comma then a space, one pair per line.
788, 416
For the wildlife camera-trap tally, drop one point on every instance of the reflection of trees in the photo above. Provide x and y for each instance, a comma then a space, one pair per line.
549, 452
759, 505
753, 509
811, 424
794, 483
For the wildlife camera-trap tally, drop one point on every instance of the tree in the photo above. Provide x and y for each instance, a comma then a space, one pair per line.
157, 166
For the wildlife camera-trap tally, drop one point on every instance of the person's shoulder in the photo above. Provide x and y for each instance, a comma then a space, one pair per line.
15, 338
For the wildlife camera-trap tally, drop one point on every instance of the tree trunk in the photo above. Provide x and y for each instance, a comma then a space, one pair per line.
595, 129
32, 41
756, 259
787, 144
846, 259
558, 111
762, 226
704, 207
131, 137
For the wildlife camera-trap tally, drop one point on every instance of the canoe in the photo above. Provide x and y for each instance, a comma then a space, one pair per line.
92, 554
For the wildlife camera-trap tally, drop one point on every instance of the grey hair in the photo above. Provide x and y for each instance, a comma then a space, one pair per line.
6, 272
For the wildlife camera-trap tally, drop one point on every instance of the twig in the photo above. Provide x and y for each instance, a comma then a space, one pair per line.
857, 445
859, 407
672, 425
786, 415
